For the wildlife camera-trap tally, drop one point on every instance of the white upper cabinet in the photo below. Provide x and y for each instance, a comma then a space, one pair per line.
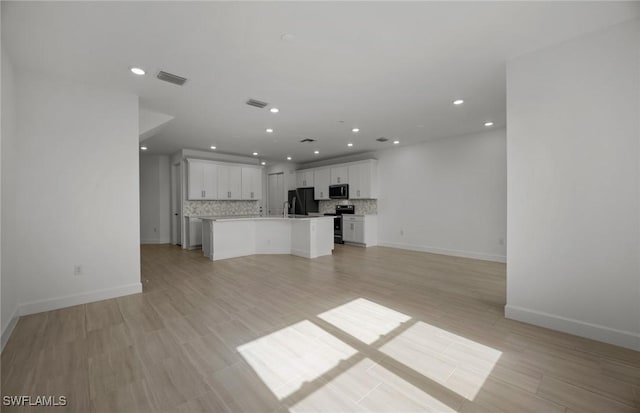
229, 182
339, 175
362, 177
201, 177
251, 183
321, 181
304, 179
363, 180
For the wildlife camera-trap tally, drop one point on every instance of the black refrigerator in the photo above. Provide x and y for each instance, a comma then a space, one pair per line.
304, 202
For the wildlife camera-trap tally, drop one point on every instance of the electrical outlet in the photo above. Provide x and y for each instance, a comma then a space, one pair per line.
402, 233
155, 230
501, 241
77, 270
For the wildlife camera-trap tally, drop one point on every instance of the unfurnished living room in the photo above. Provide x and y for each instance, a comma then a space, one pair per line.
320, 206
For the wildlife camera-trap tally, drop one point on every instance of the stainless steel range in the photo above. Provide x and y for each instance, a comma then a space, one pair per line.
337, 222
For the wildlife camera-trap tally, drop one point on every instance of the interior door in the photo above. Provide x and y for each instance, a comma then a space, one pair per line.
276, 194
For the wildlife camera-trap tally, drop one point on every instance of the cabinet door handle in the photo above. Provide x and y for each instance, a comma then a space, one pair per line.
358, 192
229, 194
252, 195
338, 179
320, 194
202, 194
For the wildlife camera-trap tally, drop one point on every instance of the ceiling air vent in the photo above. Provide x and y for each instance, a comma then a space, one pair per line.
382, 139
305, 140
256, 103
171, 78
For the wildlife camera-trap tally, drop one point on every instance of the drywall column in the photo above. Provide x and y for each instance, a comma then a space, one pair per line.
573, 166
77, 233
8, 280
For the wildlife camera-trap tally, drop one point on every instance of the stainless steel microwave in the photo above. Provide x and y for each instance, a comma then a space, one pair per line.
339, 191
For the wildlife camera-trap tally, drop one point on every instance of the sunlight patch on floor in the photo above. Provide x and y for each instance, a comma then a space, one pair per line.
286, 359
364, 319
455, 362
367, 386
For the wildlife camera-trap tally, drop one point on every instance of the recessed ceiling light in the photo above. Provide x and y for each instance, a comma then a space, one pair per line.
355, 130
316, 152
458, 102
274, 110
396, 142
143, 148
137, 71
269, 130
288, 37
288, 158
263, 163
349, 144
488, 123
213, 147
255, 154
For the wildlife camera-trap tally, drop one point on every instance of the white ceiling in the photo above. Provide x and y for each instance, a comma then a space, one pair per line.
391, 69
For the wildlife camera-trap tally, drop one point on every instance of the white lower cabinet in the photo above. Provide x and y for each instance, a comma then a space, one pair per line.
360, 229
194, 233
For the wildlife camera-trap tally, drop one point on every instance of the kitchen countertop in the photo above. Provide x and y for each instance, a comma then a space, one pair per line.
290, 217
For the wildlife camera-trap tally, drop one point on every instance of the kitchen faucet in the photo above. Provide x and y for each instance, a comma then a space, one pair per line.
286, 206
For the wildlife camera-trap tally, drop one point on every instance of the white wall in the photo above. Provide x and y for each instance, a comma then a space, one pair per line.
574, 186
446, 196
76, 194
8, 281
155, 201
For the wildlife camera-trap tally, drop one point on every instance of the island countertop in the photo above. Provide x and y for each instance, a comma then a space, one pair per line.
290, 217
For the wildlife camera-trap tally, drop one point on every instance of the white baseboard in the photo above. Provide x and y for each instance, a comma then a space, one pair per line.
597, 332
154, 241
6, 333
76, 299
443, 251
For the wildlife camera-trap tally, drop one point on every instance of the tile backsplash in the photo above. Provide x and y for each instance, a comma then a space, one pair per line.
221, 208
362, 206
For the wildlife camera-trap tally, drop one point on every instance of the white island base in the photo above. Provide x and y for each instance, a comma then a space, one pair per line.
237, 237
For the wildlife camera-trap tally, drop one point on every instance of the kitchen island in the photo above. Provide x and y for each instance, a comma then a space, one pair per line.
308, 237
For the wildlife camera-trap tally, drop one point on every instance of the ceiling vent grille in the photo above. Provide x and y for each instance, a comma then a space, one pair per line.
171, 78
309, 140
256, 103
382, 139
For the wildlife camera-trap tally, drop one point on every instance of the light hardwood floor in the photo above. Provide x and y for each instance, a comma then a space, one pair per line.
374, 329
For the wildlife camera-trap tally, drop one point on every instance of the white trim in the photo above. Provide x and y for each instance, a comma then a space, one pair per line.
443, 251
9, 329
82, 298
154, 241
272, 250
597, 332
